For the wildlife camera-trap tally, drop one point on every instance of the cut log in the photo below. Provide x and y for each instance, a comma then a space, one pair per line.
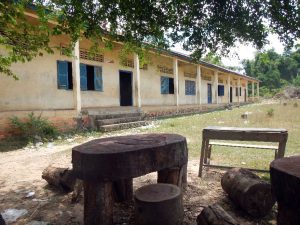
123, 190
62, 178
248, 191
215, 215
98, 203
171, 176
158, 204
285, 180
2, 222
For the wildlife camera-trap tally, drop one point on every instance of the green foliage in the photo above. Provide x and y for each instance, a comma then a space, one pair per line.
270, 112
34, 127
275, 71
22, 40
200, 26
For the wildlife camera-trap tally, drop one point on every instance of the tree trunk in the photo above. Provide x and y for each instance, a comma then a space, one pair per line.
215, 215
159, 204
62, 178
123, 190
98, 203
248, 191
2, 222
285, 180
171, 176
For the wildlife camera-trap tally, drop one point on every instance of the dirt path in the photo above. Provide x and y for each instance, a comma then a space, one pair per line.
20, 173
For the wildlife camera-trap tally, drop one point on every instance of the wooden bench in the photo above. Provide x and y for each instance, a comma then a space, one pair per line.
240, 134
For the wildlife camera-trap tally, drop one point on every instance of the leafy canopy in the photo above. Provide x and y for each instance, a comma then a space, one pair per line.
200, 26
275, 70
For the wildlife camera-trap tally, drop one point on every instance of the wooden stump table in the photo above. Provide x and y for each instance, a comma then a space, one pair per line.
103, 162
285, 181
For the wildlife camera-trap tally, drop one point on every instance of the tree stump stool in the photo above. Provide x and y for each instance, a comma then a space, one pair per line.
285, 181
158, 204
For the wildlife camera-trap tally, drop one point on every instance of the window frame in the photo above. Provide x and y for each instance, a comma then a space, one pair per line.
190, 87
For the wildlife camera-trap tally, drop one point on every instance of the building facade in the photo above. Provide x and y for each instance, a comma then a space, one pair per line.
61, 87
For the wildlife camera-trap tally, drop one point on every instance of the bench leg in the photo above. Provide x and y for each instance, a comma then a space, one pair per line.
98, 203
204, 148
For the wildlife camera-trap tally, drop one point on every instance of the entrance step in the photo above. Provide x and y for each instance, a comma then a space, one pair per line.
117, 115
125, 119
122, 126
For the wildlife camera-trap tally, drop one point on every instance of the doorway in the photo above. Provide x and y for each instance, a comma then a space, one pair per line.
209, 94
245, 95
230, 94
125, 78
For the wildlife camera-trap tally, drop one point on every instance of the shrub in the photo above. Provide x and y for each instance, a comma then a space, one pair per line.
295, 104
270, 112
34, 128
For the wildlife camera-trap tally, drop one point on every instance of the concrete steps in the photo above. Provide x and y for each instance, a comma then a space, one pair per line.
102, 122
122, 126
111, 119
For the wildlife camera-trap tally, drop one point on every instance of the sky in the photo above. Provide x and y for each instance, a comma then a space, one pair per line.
242, 51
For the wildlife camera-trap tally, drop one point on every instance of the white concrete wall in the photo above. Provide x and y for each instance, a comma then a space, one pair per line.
37, 87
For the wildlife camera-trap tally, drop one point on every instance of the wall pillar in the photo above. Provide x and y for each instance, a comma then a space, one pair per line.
76, 78
252, 83
137, 81
176, 81
239, 90
246, 97
215, 87
198, 85
257, 86
228, 86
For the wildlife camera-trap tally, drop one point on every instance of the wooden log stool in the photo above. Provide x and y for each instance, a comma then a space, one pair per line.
158, 204
285, 181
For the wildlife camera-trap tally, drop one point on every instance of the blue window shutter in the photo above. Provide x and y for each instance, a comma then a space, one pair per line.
164, 88
220, 90
186, 87
190, 88
98, 82
62, 75
193, 87
83, 77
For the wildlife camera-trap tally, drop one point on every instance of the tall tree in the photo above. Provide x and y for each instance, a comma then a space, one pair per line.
274, 70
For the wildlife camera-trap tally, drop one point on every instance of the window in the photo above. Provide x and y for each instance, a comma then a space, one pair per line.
64, 75
240, 91
166, 85
236, 91
91, 78
190, 87
220, 90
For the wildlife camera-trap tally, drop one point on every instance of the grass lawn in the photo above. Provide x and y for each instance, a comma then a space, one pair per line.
287, 117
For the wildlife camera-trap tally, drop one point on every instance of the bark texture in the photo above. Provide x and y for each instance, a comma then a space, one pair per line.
62, 178
215, 215
248, 191
285, 180
158, 204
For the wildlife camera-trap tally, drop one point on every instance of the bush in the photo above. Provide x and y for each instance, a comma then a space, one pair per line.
270, 112
295, 104
34, 128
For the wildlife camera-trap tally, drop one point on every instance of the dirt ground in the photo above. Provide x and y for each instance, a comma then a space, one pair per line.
20, 173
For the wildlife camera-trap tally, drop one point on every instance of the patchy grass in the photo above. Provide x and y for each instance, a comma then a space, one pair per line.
287, 117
